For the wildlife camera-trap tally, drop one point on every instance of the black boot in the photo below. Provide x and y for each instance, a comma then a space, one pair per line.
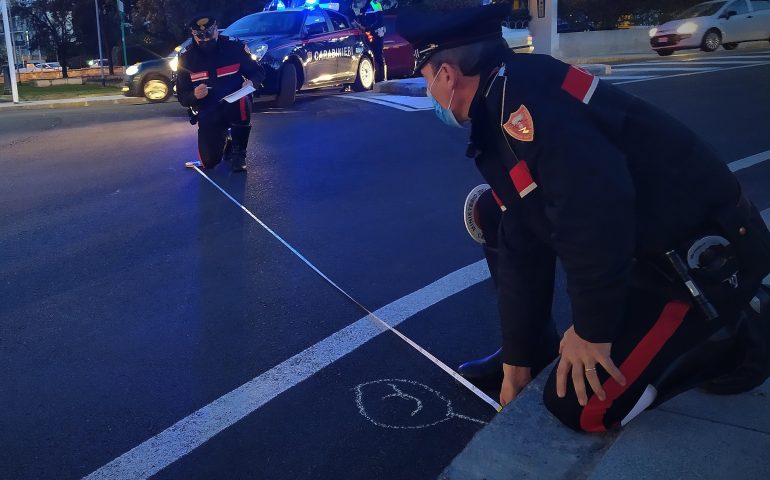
754, 368
487, 373
240, 140
228, 154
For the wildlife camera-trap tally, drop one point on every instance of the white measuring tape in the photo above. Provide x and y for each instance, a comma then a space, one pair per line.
483, 396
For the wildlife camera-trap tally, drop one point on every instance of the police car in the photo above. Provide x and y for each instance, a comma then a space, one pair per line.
304, 49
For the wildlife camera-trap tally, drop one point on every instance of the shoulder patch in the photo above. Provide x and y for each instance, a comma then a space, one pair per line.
520, 125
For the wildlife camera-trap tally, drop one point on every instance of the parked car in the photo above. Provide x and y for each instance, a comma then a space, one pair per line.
307, 48
711, 24
399, 54
153, 79
99, 63
49, 66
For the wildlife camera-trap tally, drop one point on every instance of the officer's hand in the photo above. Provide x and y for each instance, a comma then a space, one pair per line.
201, 91
246, 83
583, 358
514, 381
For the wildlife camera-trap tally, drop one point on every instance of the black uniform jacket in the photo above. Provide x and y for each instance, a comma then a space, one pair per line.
373, 18
223, 69
589, 174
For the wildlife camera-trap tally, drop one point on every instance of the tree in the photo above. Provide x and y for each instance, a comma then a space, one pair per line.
52, 21
166, 20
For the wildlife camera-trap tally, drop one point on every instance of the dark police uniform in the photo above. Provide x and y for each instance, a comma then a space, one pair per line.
373, 22
224, 69
606, 183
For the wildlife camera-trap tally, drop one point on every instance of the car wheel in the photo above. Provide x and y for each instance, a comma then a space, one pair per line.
156, 89
665, 53
711, 41
730, 46
365, 76
288, 90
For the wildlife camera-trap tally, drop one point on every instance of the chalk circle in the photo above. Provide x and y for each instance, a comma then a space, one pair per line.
404, 404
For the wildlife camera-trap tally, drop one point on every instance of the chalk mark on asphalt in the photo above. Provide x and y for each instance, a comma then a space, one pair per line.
373, 407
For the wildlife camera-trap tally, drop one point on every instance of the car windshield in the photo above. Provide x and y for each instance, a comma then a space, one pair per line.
701, 10
266, 23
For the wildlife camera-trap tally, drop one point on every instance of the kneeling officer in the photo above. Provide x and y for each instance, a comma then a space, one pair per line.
213, 67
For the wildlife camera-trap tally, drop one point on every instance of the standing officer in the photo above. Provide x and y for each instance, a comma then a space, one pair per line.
373, 23
632, 203
213, 67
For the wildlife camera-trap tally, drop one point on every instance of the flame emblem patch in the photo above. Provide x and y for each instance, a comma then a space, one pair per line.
520, 125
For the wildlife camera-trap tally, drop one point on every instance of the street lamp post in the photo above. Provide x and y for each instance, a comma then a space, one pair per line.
122, 11
9, 49
99, 34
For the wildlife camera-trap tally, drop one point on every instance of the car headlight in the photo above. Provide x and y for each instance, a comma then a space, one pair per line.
653, 31
174, 63
258, 52
687, 28
132, 70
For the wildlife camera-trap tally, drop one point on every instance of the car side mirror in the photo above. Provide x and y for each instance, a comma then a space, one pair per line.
729, 14
314, 29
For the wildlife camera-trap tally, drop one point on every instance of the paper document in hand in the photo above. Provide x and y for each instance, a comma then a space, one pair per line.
239, 94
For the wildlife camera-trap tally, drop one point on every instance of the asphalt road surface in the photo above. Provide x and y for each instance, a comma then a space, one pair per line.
151, 326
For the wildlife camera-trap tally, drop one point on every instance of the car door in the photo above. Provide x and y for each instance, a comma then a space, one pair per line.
737, 27
346, 41
317, 37
399, 54
760, 19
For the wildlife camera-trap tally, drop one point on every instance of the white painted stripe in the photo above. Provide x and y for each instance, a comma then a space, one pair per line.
191, 432
483, 396
719, 62
591, 90
693, 73
612, 78
661, 69
407, 104
686, 62
749, 161
762, 56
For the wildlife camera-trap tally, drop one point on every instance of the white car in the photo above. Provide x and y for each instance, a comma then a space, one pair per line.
711, 24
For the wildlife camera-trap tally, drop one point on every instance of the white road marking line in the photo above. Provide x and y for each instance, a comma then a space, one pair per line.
719, 62
483, 396
686, 62
694, 73
624, 77
749, 161
191, 432
662, 69
404, 103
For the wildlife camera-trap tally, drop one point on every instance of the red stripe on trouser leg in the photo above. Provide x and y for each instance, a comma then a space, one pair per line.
592, 416
243, 109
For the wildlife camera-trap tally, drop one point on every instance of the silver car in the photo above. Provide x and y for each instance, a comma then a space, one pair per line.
711, 24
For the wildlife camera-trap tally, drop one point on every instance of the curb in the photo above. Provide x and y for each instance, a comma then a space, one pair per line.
409, 87
526, 441
74, 103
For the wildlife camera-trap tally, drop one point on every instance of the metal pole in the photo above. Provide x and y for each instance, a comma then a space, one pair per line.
9, 49
121, 9
99, 33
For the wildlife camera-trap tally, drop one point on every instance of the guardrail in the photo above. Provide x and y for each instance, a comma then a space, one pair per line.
57, 74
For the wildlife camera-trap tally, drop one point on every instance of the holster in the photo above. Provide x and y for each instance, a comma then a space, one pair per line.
742, 225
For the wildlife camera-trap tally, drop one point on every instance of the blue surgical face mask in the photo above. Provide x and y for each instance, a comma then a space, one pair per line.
444, 114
